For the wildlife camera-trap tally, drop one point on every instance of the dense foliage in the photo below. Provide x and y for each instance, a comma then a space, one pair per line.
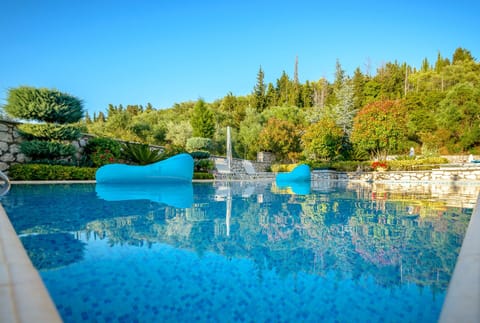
45, 131
29, 172
43, 104
435, 109
379, 128
100, 151
39, 149
48, 140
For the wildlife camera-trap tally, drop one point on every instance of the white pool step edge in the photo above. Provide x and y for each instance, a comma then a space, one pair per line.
462, 302
23, 296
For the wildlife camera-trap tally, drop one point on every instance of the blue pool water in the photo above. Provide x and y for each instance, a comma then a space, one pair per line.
239, 252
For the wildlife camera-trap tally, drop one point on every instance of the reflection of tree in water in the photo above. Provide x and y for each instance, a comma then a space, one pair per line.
423, 249
53, 250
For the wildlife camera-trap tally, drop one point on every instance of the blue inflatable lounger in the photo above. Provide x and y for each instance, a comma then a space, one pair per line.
298, 180
301, 173
178, 168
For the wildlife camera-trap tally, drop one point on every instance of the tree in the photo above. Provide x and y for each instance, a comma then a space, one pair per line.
249, 133
323, 140
461, 55
379, 128
460, 115
202, 120
280, 137
291, 114
178, 132
259, 91
271, 96
344, 109
283, 87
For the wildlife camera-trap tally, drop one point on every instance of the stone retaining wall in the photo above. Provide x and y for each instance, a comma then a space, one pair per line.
445, 174
10, 141
10, 145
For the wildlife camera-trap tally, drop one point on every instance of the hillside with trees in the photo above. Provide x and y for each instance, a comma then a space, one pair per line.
435, 109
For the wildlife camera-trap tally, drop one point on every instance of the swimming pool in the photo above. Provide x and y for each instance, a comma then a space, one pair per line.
239, 251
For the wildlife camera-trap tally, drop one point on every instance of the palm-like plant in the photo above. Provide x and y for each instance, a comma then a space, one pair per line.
141, 154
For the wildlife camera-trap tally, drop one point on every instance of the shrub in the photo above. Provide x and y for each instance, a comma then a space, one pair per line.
37, 149
377, 165
341, 166
43, 104
203, 165
94, 144
141, 153
197, 175
102, 157
47, 131
418, 164
198, 143
200, 154
29, 172
63, 162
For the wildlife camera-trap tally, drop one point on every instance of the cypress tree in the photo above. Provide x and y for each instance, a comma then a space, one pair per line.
259, 101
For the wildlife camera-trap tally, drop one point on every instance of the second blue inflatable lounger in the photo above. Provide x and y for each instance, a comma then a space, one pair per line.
301, 173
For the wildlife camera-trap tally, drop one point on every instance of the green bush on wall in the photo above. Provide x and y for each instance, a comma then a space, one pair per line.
32, 172
47, 131
38, 149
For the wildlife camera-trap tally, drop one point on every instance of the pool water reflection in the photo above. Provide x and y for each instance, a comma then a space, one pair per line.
242, 251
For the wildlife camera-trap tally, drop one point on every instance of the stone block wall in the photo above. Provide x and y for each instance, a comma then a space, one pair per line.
10, 141
10, 145
470, 173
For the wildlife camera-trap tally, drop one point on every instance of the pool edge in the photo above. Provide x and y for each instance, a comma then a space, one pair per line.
24, 296
463, 293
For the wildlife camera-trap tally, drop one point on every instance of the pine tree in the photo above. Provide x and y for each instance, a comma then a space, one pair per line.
271, 96
425, 65
88, 120
101, 117
149, 107
259, 101
283, 87
202, 120
460, 55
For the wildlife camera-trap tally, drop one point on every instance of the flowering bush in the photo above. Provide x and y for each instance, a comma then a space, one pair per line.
102, 157
379, 165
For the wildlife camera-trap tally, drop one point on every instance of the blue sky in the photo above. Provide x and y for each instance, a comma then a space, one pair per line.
166, 52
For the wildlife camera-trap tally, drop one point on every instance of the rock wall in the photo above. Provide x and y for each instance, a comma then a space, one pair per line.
466, 173
10, 145
10, 141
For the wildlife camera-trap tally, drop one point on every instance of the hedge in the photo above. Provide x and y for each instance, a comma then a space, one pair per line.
38, 172
198, 175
